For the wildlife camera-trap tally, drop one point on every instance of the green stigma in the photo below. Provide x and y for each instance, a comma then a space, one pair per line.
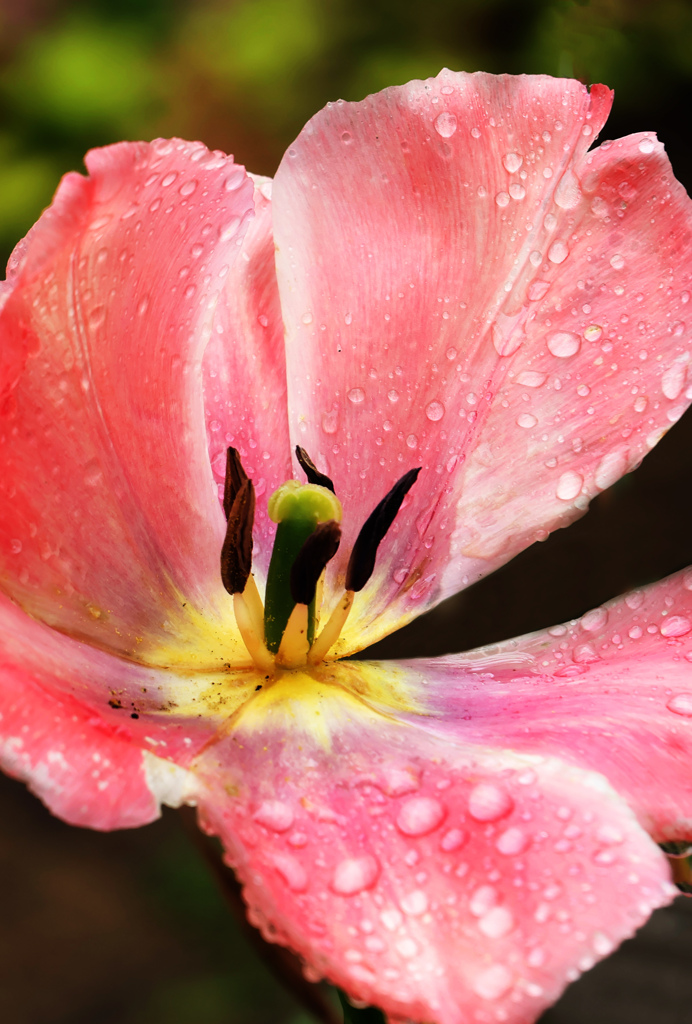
297, 509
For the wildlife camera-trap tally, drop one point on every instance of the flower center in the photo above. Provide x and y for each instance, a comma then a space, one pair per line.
282, 633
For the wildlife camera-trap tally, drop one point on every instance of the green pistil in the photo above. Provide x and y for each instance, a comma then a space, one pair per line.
297, 509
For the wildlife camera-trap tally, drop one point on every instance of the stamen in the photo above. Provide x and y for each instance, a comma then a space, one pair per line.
235, 478
306, 572
362, 561
318, 549
331, 632
247, 626
236, 553
294, 646
311, 471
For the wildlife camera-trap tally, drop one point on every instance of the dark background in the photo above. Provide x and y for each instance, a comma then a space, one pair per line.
129, 928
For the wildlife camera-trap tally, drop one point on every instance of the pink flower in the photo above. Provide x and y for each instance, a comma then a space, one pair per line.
463, 286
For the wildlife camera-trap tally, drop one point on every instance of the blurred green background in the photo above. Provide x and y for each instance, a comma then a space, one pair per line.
129, 928
244, 75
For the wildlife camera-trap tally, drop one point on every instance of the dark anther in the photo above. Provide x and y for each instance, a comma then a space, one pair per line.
362, 560
318, 549
236, 553
311, 471
235, 478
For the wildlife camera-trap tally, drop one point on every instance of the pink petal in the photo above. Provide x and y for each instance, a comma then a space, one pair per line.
466, 288
109, 525
611, 691
245, 374
103, 740
423, 875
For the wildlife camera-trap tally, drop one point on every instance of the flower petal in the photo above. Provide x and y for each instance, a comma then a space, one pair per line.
466, 288
611, 691
103, 740
424, 876
110, 529
245, 374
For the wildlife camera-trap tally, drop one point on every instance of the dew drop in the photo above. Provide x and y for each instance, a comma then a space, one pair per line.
526, 420
348, 319
292, 872
502, 199
16, 547
406, 948
611, 467
517, 191
274, 815
594, 620
306, 318
532, 379
412, 441
567, 193
593, 333
496, 923
512, 162
356, 395
673, 380
97, 316
569, 485
453, 840
681, 704
169, 179
563, 344
676, 625
537, 289
647, 146
488, 802
355, 874
617, 261
330, 421
558, 252
346, 137
415, 903
435, 411
420, 815
493, 983
511, 842
602, 944
445, 124
188, 187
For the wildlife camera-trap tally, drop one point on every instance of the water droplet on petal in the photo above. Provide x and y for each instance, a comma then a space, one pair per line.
594, 620
568, 192
512, 841
275, 815
412, 441
617, 261
563, 344
420, 815
647, 146
306, 318
169, 179
356, 395
502, 199
346, 137
558, 252
435, 411
496, 923
611, 467
569, 485
681, 704
493, 983
488, 802
532, 379
415, 903
676, 625
602, 944
453, 840
406, 948
673, 380
526, 420
445, 124
188, 187
517, 191
512, 162
292, 872
355, 874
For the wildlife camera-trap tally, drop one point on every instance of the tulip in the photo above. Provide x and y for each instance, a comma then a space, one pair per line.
466, 323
